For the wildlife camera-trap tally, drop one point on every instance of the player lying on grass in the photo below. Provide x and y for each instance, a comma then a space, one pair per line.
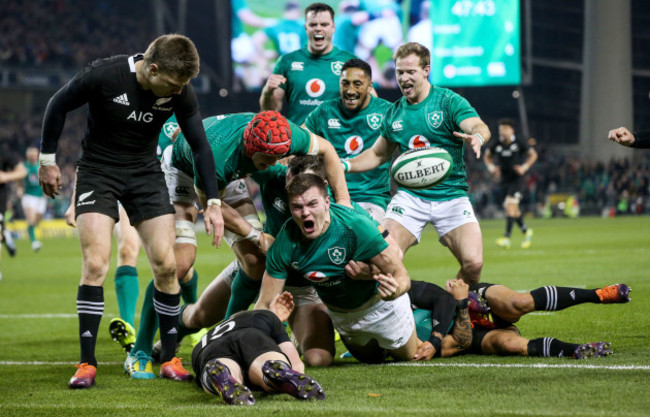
252, 349
499, 336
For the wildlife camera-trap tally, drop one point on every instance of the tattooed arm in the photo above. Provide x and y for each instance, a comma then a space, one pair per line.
461, 336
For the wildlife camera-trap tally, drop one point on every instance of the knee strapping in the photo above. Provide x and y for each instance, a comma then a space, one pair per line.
185, 232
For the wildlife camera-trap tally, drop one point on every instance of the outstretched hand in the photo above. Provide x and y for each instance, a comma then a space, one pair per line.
473, 141
282, 305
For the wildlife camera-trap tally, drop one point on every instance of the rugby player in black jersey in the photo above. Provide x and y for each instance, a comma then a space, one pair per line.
514, 158
129, 99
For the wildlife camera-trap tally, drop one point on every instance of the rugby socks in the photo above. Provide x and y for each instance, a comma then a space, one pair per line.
558, 298
148, 323
509, 222
31, 232
127, 290
167, 307
521, 224
189, 289
550, 346
243, 292
183, 330
90, 307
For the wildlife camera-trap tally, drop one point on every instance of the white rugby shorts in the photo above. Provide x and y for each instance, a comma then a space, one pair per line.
413, 213
391, 323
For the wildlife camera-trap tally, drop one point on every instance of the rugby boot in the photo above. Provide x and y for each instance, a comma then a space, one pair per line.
225, 386
278, 375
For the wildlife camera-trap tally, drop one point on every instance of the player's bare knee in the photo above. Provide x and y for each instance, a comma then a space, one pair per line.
523, 304
317, 358
95, 270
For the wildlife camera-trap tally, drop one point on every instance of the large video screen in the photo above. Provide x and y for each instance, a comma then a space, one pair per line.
472, 42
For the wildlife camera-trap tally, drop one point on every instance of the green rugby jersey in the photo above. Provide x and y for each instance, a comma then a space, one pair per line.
287, 35
165, 136
311, 79
431, 123
224, 133
32, 187
350, 235
351, 133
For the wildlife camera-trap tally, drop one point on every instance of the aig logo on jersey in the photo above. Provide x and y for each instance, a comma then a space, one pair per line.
418, 141
316, 276
139, 116
374, 120
354, 145
336, 67
315, 87
435, 118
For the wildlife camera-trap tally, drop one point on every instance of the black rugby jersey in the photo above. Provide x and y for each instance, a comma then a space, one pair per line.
263, 320
508, 156
123, 119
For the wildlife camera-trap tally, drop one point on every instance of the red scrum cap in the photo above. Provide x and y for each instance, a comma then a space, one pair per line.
268, 132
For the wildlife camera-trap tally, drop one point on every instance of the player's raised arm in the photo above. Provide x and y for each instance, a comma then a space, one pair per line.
271, 288
335, 173
273, 94
380, 152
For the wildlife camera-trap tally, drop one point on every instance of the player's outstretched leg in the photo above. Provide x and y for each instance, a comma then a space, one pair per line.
280, 376
122, 332
593, 350
617, 293
217, 375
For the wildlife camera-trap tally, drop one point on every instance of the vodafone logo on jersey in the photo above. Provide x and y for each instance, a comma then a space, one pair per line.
418, 141
354, 145
315, 87
316, 276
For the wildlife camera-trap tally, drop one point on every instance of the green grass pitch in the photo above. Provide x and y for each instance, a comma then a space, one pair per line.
39, 345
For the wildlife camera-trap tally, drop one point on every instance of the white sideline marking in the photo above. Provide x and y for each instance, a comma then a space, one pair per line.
37, 316
521, 365
50, 316
427, 364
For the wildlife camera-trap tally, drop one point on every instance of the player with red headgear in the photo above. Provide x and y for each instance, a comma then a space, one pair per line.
241, 143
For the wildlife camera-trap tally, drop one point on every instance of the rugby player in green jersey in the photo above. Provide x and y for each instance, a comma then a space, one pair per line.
351, 124
430, 116
372, 316
309, 75
33, 200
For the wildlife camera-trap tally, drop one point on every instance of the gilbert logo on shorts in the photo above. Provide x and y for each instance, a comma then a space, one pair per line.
81, 201
337, 255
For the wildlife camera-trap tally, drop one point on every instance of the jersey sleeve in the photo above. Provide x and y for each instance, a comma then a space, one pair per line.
370, 241
278, 257
384, 129
312, 122
460, 109
71, 96
300, 140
